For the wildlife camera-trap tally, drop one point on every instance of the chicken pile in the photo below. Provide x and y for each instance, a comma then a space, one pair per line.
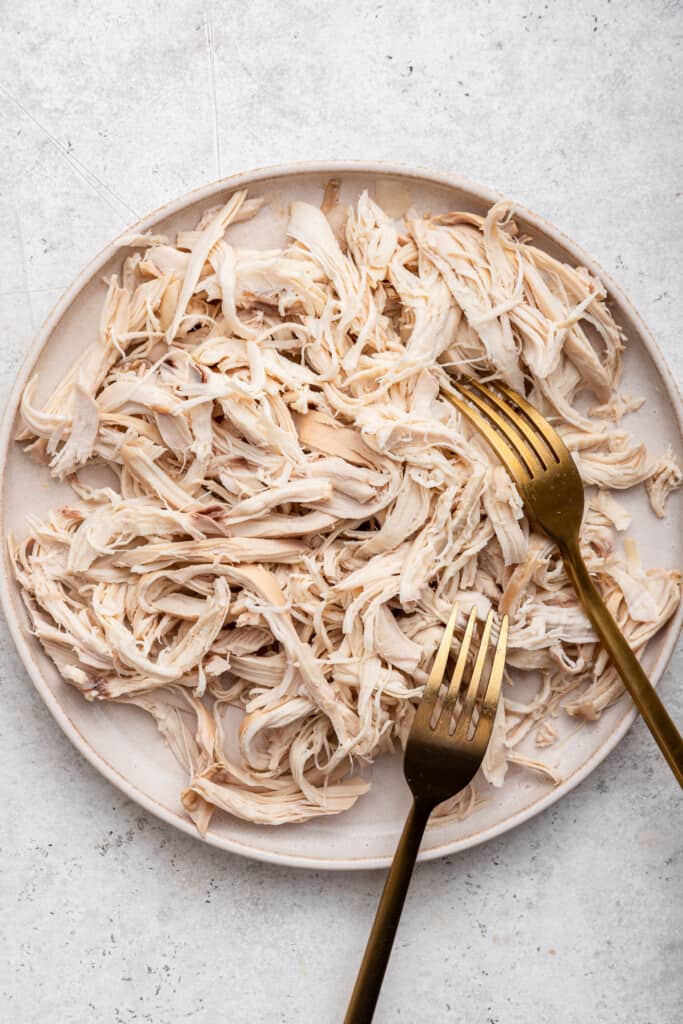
293, 508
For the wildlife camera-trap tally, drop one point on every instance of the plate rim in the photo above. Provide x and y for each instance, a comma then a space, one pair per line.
41, 338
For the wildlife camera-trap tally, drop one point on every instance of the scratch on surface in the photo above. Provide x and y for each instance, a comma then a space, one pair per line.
24, 268
33, 291
211, 45
105, 193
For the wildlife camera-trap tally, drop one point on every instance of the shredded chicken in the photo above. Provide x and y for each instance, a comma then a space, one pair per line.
293, 509
665, 477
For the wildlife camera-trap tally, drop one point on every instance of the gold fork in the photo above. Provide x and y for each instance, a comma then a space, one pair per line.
547, 478
440, 760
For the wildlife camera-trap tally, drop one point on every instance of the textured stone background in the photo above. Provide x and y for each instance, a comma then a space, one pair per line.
107, 112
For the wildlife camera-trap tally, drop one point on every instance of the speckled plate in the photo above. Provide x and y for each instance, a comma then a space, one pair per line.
123, 744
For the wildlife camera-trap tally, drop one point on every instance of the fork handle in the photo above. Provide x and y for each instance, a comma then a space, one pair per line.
377, 952
644, 695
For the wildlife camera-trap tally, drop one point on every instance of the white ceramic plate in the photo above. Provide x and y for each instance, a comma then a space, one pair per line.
123, 744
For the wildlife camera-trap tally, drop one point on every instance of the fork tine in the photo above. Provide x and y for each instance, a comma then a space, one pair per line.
492, 695
505, 424
451, 698
538, 442
547, 432
433, 684
465, 716
507, 456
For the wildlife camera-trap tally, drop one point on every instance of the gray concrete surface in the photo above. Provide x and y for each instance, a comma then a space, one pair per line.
107, 111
